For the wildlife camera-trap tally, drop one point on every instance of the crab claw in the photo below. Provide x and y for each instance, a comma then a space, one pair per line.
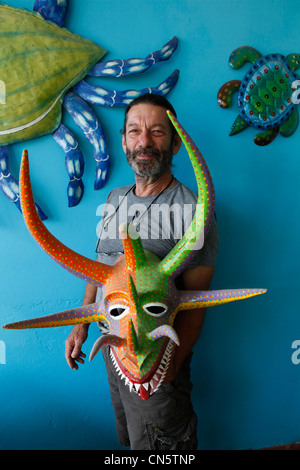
53, 10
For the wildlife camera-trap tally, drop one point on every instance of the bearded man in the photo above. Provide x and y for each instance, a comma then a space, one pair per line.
166, 421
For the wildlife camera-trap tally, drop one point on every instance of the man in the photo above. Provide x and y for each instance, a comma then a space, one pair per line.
166, 420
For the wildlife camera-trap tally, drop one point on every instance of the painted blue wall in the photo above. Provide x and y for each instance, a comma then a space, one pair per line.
245, 383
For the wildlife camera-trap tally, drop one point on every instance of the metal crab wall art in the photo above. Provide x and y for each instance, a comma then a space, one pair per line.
266, 96
42, 67
140, 298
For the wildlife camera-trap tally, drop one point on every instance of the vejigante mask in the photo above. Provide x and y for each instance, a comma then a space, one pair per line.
140, 300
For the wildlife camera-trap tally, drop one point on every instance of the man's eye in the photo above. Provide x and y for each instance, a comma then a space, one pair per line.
133, 131
157, 132
118, 311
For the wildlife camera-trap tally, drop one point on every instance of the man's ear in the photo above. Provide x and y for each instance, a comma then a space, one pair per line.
176, 144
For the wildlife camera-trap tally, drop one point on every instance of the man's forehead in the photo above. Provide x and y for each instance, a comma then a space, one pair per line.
148, 112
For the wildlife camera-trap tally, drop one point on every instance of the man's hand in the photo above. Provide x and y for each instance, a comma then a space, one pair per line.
73, 345
79, 333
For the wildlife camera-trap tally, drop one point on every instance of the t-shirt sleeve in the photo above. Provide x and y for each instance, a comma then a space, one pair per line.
207, 255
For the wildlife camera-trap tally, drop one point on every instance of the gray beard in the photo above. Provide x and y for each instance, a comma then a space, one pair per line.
144, 168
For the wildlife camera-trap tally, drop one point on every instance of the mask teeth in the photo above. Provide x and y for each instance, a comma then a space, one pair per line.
151, 386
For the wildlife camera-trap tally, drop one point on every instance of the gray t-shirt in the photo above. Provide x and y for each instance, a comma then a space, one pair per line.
161, 221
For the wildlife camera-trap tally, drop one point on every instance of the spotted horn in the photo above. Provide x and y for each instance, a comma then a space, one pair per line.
88, 270
85, 314
133, 248
195, 299
164, 330
175, 262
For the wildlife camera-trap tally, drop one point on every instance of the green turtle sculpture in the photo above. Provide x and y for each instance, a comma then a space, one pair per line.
267, 95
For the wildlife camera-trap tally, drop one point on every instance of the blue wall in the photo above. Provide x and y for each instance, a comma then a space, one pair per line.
246, 385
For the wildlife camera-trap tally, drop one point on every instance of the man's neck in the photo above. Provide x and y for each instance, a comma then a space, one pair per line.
149, 187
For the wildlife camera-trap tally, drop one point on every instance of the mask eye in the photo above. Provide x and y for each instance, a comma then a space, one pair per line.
155, 309
118, 311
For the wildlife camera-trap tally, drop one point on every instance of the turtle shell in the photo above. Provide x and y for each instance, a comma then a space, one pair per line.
265, 93
39, 62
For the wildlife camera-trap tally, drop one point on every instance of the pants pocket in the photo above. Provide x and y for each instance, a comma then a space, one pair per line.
179, 433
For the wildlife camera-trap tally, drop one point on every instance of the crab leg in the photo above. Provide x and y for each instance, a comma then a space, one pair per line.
54, 10
85, 118
122, 68
101, 96
9, 185
74, 163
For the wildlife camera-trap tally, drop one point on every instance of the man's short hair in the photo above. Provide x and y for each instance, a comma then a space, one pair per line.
156, 100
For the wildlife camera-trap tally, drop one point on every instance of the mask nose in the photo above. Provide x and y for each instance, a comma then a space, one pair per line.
132, 338
138, 345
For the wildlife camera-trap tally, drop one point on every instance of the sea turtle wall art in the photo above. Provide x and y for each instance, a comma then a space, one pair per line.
42, 67
267, 95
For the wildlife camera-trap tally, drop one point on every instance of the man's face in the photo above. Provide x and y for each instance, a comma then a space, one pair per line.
148, 142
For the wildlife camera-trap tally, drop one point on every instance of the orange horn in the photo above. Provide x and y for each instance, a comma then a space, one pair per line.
133, 248
89, 270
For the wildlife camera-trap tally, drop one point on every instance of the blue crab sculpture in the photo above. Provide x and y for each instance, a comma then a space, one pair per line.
42, 70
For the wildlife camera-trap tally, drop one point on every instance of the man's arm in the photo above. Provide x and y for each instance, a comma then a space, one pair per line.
188, 323
79, 333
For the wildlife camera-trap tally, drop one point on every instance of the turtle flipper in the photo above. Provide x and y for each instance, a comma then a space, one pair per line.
288, 127
239, 125
265, 138
294, 61
225, 92
243, 54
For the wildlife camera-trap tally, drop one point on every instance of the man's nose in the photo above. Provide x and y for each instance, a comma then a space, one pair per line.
145, 138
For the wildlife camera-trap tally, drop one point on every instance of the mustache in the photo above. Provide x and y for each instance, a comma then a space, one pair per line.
146, 151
